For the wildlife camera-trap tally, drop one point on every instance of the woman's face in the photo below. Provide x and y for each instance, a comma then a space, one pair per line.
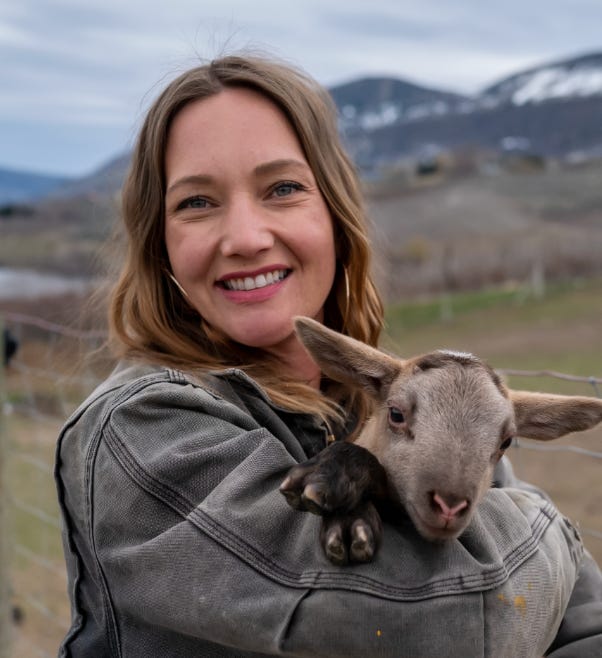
248, 233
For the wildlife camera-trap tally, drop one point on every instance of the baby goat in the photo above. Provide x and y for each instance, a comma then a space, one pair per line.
442, 422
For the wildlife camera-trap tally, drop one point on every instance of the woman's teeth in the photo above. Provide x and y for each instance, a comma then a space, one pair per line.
253, 282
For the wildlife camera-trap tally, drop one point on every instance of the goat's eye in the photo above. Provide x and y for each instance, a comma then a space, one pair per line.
396, 416
506, 444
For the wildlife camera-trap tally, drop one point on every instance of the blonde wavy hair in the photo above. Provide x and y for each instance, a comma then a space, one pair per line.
149, 319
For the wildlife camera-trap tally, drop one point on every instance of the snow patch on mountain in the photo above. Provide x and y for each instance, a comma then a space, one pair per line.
575, 78
557, 82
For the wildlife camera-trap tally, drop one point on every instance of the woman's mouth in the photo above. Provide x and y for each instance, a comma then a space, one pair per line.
254, 282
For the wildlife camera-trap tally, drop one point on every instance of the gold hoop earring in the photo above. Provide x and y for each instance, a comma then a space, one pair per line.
347, 297
177, 285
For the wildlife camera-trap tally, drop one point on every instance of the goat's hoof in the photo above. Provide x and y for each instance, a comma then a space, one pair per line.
314, 499
363, 544
293, 498
335, 548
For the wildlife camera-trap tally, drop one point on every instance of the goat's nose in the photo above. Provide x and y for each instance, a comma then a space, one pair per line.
449, 506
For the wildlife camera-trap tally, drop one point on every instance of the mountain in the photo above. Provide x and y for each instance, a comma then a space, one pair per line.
371, 103
579, 77
105, 181
19, 186
554, 110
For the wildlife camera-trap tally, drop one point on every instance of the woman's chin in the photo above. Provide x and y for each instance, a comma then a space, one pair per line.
272, 340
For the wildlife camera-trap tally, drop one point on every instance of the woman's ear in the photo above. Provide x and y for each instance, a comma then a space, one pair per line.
545, 416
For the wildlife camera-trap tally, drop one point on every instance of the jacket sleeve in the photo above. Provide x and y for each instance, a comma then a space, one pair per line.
190, 542
580, 632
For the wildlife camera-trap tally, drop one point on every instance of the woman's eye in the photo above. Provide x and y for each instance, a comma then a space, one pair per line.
286, 189
396, 416
196, 202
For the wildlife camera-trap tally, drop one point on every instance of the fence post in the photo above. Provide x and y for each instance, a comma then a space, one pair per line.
5, 624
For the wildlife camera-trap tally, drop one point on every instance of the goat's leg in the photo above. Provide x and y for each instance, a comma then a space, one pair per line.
340, 484
336, 480
352, 537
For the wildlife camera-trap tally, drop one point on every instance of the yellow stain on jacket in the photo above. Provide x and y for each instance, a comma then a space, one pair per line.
520, 603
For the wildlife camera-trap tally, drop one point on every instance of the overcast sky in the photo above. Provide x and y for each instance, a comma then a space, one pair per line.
76, 75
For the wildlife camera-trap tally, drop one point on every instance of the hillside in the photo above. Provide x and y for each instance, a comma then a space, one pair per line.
487, 228
57, 235
451, 231
106, 181
19, 186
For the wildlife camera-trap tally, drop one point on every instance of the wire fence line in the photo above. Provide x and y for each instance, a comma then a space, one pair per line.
594, 382
38, 390
41, 387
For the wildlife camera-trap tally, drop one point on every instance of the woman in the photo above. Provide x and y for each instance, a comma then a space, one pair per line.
242, 211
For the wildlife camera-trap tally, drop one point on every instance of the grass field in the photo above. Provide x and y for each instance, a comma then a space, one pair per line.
509, 327
38, 577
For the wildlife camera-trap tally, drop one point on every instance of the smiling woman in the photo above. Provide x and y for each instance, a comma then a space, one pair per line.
241, 212
249, 236
240, 175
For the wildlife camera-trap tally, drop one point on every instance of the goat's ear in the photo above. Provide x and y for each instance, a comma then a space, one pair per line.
544, 416
347, 360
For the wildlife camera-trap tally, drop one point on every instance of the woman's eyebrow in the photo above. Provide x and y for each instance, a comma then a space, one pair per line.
198, 179
275, 166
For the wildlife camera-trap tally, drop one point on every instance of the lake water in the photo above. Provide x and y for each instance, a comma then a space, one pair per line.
29, 284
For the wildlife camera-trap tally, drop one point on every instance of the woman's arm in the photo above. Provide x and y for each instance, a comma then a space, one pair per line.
580, 633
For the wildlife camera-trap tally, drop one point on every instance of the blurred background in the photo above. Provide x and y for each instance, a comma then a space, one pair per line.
477, 130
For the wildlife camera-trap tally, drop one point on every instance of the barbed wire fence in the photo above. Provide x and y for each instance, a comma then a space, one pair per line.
38, 391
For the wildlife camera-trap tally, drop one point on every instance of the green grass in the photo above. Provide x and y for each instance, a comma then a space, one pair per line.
441, 309
561, 331
31, 486
414, 315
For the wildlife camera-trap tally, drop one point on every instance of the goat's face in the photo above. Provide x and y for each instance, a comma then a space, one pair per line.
444, 422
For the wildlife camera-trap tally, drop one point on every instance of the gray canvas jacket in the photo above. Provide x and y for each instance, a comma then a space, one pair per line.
179, 544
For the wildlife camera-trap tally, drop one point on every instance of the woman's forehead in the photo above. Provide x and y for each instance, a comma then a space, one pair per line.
236, 124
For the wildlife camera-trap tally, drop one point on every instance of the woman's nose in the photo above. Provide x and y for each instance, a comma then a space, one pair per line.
245, 230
